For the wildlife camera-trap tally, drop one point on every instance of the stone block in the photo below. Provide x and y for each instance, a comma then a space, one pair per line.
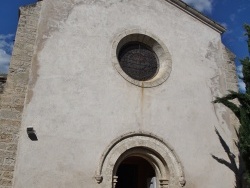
11, 147
5, 182
4, 137
4, 122
3, 146
8, 175
6, 168
9, 161
7, 114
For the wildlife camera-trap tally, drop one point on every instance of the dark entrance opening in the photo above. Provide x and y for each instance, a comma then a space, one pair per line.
135, 172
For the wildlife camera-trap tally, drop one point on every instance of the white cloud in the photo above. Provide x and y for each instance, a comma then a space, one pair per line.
239, 71
4, 61
241, 9
224, 25
6, 45
8, 36
241, 84
232, 17
201, 5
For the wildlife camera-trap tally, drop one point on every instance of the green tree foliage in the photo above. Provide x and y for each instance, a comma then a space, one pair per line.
242, 111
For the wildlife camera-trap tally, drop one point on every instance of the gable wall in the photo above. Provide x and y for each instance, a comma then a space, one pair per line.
78, 103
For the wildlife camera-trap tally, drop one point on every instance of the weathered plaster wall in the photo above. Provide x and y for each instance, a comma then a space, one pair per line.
78, 103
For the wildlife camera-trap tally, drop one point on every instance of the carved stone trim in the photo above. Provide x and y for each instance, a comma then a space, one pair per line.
159, 48
182, 181
159, 154
115, 180
98, 179
164, 183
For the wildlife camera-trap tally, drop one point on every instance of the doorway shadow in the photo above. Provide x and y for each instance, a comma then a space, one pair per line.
232, 165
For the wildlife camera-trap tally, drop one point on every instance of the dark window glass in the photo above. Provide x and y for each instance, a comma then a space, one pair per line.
138, 61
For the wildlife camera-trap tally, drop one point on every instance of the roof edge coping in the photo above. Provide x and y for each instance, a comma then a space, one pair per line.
198, 15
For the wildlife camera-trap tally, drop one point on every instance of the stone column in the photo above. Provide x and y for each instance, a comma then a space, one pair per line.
163, 183
115, 180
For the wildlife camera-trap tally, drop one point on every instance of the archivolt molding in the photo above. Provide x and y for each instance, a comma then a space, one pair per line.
158, 153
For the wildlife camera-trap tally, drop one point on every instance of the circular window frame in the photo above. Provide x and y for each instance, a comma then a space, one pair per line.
158, 47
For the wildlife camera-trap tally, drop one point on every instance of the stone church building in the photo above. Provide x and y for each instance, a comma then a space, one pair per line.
117, 94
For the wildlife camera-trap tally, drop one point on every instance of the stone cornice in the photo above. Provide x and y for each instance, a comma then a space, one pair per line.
196, 14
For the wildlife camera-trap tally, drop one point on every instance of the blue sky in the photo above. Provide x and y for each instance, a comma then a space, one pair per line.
232, 14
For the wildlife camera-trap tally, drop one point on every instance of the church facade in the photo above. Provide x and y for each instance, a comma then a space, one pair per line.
117, 94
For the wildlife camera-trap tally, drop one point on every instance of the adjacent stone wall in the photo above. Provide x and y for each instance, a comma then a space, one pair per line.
231, 80
12, 100
230, 70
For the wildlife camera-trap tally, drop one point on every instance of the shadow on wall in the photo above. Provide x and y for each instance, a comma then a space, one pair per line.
232, 165
3, 78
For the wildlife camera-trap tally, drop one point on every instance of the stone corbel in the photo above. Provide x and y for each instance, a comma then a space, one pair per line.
98, 179
182, 181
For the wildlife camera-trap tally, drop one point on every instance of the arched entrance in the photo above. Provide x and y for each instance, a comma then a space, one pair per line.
155, 168
135, 172
124, 156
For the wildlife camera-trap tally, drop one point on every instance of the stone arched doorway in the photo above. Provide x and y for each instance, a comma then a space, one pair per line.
161, 163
